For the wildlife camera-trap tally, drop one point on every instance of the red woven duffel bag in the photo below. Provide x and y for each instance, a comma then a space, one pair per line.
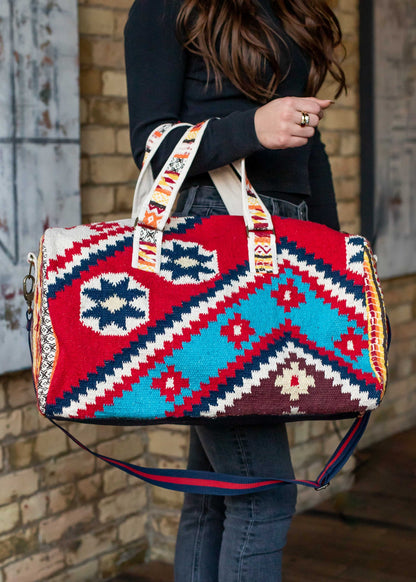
247, 318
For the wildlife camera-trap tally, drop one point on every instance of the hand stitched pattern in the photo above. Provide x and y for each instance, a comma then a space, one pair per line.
170, 384
288, 296
294, 381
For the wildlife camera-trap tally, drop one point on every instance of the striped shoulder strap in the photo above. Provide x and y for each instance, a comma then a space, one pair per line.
206, 482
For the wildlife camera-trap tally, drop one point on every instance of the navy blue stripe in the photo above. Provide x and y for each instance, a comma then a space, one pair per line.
124, 243
87, 263
191, 222
127, 242
328, 270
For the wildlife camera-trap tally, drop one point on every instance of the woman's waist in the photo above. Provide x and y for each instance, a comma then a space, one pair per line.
205, 200
289, 192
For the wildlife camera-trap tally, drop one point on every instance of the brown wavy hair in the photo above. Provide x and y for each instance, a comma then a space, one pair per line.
236, 41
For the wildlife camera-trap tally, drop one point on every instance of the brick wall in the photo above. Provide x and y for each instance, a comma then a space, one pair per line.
106, 164
64, 516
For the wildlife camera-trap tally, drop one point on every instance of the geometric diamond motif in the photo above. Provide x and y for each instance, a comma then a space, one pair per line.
294, 382
351, 345
113, 304
288, 296
187, 263
170, 383
237, 330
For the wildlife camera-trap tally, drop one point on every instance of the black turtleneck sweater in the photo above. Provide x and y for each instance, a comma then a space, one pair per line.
167, 84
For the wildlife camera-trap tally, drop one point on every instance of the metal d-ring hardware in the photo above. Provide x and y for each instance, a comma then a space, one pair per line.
29, 287
322, 487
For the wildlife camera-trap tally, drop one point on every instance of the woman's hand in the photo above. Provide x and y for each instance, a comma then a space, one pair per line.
278, 123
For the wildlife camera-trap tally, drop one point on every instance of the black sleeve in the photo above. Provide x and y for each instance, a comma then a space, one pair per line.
155, 68
322, 204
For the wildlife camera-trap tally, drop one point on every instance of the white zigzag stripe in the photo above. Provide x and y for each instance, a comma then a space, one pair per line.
354, 246
59, 240
72, 236
67, 237
166, 336
58, 247
347, 387
336, 289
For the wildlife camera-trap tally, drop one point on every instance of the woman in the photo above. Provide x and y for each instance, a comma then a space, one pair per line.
257, 66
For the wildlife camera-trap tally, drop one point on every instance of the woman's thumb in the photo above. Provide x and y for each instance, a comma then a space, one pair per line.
324, 103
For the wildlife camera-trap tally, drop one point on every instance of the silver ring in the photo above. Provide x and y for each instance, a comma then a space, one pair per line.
305, 120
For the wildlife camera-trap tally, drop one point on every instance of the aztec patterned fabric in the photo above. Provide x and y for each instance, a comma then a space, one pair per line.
206, 338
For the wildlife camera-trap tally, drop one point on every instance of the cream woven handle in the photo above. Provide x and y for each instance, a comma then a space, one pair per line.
225, 179
146, 178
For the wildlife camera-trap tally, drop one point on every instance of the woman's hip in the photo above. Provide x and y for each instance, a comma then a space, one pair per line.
206, 201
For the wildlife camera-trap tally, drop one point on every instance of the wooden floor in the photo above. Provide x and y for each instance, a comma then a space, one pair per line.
365, 535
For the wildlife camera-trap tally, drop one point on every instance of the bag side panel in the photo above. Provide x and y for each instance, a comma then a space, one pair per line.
377, 320
46, 338
35, 342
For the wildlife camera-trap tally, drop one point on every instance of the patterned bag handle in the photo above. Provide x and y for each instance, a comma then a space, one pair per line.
146, 178
156, 208
224, 179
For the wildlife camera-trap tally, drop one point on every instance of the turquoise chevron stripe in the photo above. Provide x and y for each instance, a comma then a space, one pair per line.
142, 401
209, 350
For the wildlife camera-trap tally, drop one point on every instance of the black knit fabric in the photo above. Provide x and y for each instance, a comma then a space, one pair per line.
167, 84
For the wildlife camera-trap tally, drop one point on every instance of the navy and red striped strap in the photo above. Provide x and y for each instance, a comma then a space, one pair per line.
205, 482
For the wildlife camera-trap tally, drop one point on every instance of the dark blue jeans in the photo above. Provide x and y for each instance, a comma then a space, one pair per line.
235, 539
205, 201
